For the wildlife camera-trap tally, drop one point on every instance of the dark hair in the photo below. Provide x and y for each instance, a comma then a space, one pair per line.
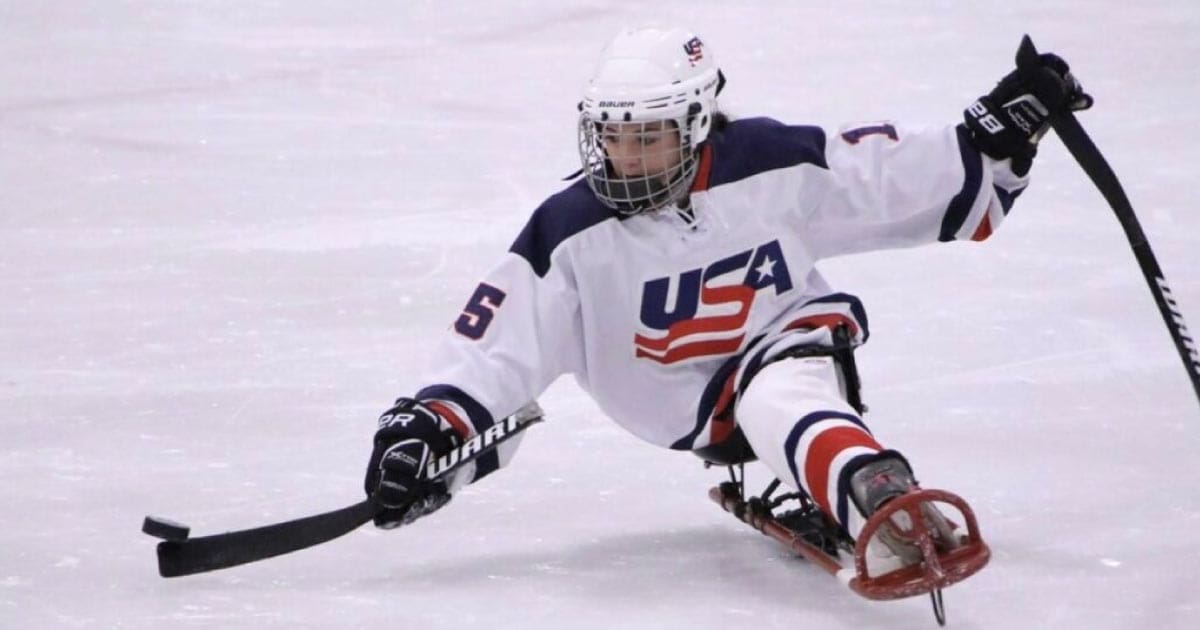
719, 122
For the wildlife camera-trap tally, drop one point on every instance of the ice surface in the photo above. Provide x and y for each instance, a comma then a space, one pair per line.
229, 230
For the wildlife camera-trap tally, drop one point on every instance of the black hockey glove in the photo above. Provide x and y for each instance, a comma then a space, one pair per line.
410, 435
1009, 121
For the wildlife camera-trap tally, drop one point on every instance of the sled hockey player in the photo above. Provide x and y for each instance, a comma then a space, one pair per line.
675, 280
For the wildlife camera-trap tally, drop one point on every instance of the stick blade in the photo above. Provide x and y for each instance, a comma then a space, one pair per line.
200, 555
174, 560
220, 551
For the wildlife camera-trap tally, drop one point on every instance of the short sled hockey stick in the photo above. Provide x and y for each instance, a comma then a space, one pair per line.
179, 555
1093, 163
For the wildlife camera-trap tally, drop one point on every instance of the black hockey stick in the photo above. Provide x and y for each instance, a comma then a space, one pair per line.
180, 555
1093, 163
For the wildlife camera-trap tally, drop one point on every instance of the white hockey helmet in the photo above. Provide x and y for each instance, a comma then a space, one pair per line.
648, 79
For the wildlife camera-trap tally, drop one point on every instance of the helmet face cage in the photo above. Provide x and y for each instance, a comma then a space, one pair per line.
647, 107
656, 162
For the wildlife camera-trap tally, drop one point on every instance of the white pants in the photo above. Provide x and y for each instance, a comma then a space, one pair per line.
795, 416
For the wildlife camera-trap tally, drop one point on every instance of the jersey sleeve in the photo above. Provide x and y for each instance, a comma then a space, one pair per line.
516, 334
891, 186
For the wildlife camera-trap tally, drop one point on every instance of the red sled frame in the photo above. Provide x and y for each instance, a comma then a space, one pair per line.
936, 571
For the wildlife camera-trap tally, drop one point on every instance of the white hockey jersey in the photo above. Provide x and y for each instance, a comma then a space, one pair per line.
656, 314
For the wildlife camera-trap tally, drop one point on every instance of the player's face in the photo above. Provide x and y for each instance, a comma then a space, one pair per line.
641, 149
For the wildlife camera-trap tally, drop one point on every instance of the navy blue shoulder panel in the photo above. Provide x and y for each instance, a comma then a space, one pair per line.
744, 148
751, 146
560, 217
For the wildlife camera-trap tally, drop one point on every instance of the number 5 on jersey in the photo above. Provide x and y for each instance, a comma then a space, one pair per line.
480, 309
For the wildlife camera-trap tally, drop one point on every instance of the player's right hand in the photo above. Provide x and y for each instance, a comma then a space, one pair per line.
410, 435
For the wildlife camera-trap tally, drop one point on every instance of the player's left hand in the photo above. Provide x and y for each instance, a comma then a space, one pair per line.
1009, 120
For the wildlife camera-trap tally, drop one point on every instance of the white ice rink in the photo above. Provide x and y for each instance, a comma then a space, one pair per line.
231, 231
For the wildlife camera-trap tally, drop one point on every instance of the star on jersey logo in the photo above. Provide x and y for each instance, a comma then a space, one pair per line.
766, 269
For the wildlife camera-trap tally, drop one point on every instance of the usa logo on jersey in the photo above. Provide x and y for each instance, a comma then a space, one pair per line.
703, 312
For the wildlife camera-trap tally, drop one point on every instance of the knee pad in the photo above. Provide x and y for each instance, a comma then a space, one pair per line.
834, 365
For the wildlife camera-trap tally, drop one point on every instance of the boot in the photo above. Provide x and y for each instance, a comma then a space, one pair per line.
882, 480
